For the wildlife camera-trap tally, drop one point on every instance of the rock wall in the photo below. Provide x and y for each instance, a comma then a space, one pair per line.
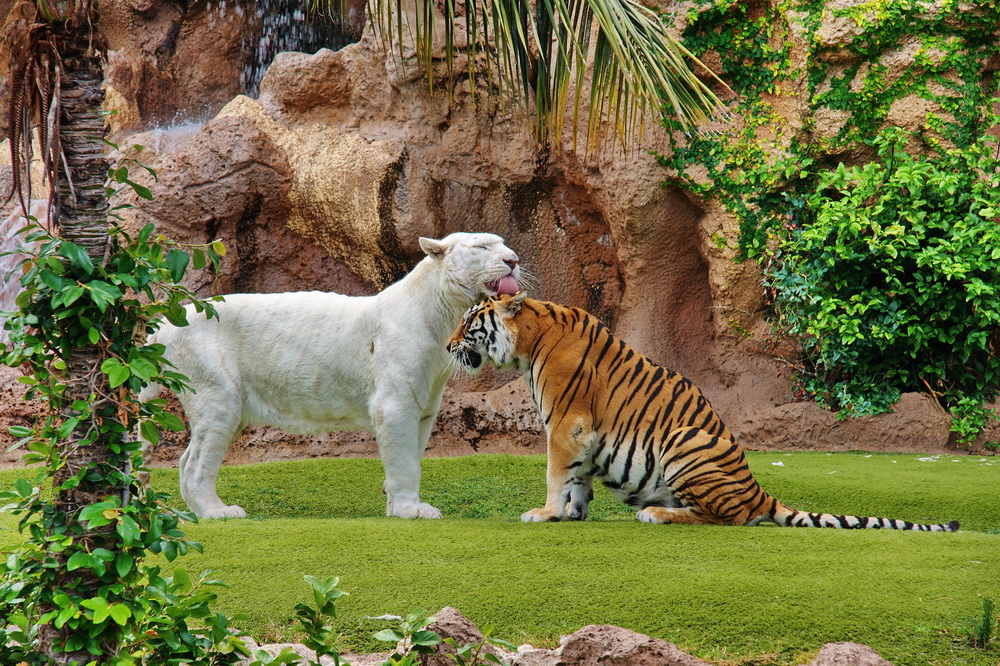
327, 179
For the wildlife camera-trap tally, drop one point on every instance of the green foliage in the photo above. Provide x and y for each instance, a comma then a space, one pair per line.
127, 612
979, 631
411, 638
319, 636
889, 277
870, 330
472, 654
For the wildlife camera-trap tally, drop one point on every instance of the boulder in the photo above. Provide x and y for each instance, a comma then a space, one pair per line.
450, 623
606, 645
848, 654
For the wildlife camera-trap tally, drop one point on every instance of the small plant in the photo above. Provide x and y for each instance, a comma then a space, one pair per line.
979, 631
411, 638
472, 654
319, 635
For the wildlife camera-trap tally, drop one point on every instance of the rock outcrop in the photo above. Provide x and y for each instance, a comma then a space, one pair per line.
327, 179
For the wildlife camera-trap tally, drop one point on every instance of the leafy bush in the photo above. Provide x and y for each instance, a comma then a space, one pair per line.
80, 584
890, 278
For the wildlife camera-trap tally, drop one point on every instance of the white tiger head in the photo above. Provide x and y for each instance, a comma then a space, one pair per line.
484, 335
475, 265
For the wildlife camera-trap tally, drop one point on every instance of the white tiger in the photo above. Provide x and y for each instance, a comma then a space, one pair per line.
316, 362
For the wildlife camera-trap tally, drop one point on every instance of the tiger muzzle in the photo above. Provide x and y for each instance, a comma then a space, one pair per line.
469, 358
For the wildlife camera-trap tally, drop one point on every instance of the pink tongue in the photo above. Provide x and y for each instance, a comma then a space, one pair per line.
507, 286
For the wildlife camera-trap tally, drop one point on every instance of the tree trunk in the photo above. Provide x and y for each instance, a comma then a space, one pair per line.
82, 218
82, 212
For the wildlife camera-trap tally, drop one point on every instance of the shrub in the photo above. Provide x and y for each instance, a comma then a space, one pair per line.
890, 278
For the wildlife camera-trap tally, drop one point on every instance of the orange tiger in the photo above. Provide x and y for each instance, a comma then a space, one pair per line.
645, 431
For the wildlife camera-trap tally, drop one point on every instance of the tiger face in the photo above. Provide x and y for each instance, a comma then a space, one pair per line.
486, 335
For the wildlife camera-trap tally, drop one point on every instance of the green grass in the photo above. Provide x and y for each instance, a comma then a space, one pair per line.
720, 592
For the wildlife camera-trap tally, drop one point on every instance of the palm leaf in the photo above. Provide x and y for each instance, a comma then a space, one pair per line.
541, 59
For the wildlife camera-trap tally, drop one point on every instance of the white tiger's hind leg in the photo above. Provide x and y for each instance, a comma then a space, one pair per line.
214, 426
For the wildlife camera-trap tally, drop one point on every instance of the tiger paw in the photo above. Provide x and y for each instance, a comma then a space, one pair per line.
542, 515
653, 514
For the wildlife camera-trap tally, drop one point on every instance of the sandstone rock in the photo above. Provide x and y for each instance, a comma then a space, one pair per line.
839, 29
916, 424
303, 652
450, 623
848, 654
607, 645
327, 180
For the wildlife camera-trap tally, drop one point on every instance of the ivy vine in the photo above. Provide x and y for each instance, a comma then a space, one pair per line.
128, 611
790, 187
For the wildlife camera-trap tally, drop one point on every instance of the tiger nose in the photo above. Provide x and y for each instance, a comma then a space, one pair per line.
511, 263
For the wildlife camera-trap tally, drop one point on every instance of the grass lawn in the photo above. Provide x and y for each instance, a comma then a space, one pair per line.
756, 595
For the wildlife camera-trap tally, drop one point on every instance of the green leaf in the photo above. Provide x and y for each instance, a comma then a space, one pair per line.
77, 256
24, 487
20, 431
198, 259
182, 581
123, 564
129, 530
103, 293
93, 335
120, 613
99, 606
150, 432
140, 190
51, 280
78, 560
170, 421
95, 513
65, 615
177, 262
425, 638
142, 368
389, 635
117, 373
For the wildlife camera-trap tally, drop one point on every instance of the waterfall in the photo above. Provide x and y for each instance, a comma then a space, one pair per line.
287, 25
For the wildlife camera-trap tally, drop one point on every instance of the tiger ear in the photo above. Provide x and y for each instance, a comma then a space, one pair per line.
512, 304
432, 248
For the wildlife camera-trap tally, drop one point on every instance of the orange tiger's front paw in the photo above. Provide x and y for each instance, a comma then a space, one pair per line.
542, 515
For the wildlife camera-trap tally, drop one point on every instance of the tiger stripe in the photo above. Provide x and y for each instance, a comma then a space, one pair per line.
645, 431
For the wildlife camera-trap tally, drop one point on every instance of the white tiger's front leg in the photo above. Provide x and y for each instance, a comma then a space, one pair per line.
397, 432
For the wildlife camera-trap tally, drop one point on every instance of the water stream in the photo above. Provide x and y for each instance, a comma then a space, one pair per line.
285, 26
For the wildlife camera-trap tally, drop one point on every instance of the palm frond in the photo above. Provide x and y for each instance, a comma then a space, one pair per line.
542, 58
33, 102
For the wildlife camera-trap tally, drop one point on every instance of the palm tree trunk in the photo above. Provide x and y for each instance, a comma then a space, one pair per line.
82, 218
82, 205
